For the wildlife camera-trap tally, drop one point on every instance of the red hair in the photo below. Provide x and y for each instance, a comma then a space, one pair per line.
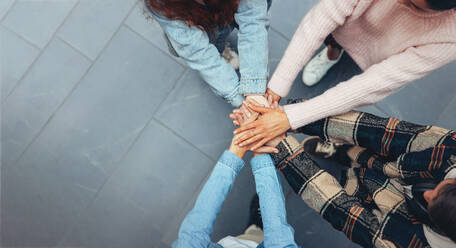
214, 14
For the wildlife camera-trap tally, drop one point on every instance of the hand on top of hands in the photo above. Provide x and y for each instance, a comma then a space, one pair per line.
246, 115
272, 123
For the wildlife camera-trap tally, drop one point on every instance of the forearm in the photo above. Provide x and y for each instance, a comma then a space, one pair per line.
320, 21
192, 45
253, 20
277, 232
376, 83
197, 226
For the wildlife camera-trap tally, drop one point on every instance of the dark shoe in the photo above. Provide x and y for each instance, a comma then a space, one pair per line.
318, 147
255, 213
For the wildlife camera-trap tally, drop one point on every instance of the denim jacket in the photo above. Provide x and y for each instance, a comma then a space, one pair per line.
197, 226
193, 45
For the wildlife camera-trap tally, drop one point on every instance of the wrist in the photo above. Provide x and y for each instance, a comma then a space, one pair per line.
237, 150
286, 122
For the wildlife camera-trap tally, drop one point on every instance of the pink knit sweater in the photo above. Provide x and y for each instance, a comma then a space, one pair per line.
392, 43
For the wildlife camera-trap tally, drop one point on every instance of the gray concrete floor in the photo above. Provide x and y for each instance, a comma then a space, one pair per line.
107, 139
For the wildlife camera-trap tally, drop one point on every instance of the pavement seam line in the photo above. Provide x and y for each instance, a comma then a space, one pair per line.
72, 226
41, 51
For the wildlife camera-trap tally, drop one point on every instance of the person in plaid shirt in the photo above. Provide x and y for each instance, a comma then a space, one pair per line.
382, 158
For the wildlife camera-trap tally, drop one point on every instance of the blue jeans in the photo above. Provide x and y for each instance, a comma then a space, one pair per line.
217, 38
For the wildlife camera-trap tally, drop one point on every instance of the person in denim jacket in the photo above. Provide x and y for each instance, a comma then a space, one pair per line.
196, 31
198, 225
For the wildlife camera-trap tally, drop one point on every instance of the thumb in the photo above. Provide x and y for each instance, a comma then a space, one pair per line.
259, 109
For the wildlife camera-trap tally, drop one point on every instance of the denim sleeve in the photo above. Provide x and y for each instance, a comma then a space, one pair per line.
277, 232
252, 18
192, 44
197, 226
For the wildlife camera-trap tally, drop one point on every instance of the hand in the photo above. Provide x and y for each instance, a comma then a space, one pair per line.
274, 142
239, 151
275, 97
241, 116
272, 123
245, 116
259, 100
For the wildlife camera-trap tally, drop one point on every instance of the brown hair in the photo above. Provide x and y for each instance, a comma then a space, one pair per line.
213, 14
442, 210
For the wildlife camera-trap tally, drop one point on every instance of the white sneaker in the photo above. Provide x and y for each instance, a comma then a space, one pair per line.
318, 67
231, 57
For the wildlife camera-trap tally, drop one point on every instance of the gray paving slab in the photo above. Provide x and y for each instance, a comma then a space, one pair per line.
373, 109
114, 221
42, 19
162, 245
92, 24
17, 56
159, 176
142, 23
424, 100
39, 202
287, 14
171, 230
277, 46
5, 5
447, 118
83, 143
206, 123
44, 90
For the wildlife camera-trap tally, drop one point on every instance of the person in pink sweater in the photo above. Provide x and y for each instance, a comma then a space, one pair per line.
393, 41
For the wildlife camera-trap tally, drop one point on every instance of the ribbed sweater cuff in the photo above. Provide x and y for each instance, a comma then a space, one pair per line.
301, 114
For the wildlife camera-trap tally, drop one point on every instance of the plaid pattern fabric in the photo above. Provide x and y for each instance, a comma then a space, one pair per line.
395, 148
381, 154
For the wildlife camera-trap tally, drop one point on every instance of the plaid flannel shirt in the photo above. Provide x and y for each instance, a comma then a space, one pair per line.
383, 155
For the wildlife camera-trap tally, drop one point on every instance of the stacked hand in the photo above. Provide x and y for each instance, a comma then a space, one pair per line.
248, 117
